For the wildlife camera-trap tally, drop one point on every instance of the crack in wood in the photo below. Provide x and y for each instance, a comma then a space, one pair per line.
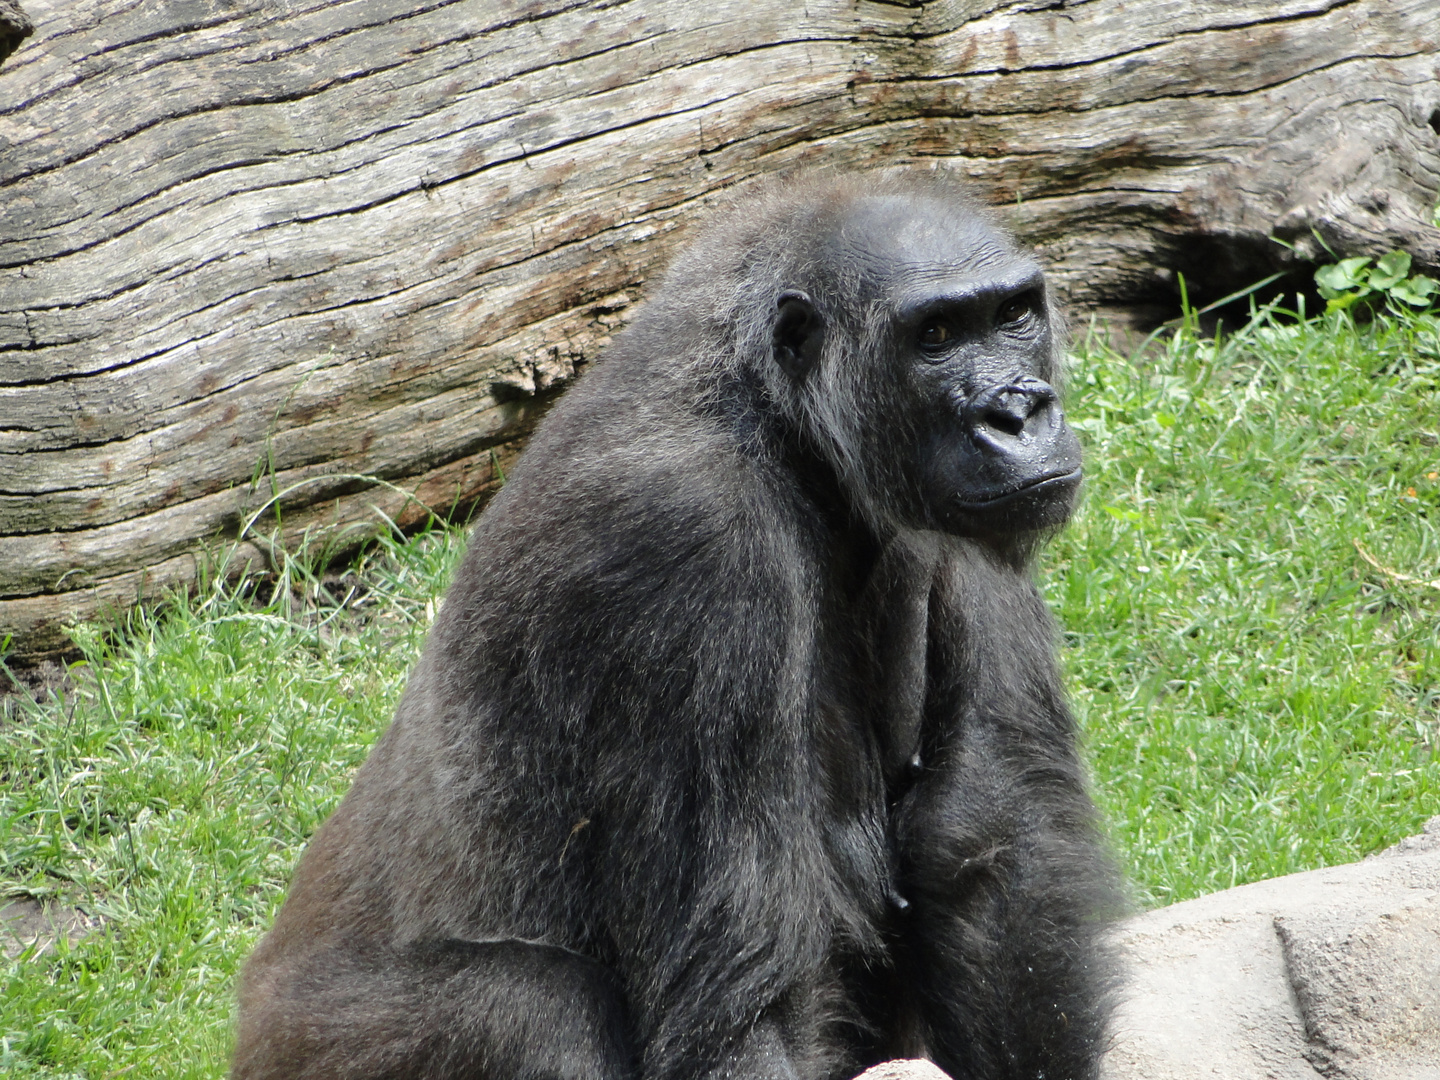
185, 114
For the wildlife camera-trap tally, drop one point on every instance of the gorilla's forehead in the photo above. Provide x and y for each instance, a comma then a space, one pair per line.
916, 244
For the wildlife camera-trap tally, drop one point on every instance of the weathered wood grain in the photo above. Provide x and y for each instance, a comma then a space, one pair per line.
305, 242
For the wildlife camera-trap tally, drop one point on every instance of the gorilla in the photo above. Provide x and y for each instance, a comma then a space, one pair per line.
738, 748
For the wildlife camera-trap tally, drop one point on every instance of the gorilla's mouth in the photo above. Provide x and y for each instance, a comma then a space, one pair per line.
1051, 483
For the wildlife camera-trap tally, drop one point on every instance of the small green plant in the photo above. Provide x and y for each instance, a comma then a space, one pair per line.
1345, 283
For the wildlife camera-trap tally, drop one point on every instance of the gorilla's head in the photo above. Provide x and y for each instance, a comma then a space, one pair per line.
905, 336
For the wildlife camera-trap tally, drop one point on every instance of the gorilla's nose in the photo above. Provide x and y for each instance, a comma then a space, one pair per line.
1020, 408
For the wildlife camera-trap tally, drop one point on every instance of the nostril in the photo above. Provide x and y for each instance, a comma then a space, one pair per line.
1011, 409
1009, 418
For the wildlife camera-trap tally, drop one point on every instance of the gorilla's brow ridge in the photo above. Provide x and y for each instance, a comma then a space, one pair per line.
916, 288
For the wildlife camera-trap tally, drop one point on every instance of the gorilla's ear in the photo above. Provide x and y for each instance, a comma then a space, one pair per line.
798, 334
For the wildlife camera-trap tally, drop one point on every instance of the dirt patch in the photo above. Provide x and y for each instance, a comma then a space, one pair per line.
25, 923
35, 681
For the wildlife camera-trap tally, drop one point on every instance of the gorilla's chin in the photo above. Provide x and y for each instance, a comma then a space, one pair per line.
1040, 505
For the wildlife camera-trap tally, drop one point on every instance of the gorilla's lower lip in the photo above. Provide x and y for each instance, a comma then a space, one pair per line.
1055, 480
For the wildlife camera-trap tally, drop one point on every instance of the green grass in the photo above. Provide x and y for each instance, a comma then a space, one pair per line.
172, 794
1258, 697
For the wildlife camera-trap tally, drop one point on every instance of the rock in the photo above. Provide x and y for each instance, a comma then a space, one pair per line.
1334, 972
905, 1069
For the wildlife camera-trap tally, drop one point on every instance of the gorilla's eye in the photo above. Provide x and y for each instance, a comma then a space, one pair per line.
1016, 309
934, 335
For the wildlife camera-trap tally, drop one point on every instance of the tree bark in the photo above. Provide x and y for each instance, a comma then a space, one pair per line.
303, 243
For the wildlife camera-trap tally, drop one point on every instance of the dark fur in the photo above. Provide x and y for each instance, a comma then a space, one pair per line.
727, 756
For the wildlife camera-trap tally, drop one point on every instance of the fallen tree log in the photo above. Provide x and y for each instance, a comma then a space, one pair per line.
248, 248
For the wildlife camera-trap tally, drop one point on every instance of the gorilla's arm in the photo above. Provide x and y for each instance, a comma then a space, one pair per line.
999, 844
607, 754
442, 1009
670, 656
706, 836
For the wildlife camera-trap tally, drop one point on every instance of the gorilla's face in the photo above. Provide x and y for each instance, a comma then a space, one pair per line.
952, 329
